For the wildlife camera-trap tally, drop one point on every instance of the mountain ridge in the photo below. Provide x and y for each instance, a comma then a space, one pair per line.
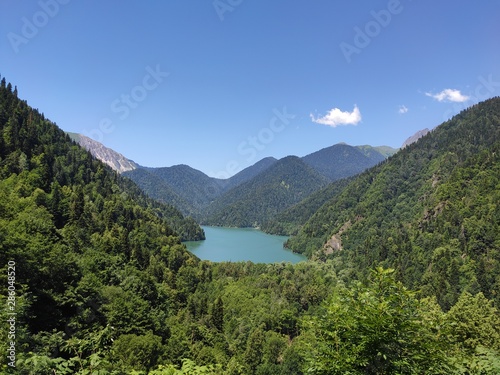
114, 159
249, 204
196, 194
415, 137
433, 201
342, 160
199, 190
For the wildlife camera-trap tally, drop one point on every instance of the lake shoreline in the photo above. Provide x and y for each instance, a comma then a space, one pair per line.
230, 244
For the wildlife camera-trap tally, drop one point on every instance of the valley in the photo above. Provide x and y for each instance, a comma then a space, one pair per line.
405, 252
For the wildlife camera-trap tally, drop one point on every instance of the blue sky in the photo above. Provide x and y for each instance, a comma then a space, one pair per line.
219, 85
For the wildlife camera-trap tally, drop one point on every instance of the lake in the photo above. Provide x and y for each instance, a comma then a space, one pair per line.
242, 244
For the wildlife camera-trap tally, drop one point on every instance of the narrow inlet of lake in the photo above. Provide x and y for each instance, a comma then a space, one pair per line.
242, 244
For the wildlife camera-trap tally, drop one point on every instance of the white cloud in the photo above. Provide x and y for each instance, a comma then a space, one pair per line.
336, 117
402, 109
449, 95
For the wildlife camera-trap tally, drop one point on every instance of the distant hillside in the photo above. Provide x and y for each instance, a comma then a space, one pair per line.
159, 189
192, 185
192, 191
341, 160
385, 151
415, 137
286, 182
189, 189
248, 173
431, 212
289, 221
108, 156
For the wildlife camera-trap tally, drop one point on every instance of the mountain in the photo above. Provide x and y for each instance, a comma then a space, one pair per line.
431, 212
190, 184
415, 137
284, 183
248, 173
175, 207
189, 189
114, 159
158, 189
215, 201
375, 152
97, 281
289, 221
341, 160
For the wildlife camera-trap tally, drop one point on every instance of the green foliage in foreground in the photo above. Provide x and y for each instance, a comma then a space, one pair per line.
103, 286
382, 328
379, 327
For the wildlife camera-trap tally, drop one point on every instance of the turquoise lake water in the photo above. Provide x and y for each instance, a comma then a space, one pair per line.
242, 244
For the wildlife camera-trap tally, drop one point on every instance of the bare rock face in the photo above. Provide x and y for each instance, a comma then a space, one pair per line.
415, 137
114, 159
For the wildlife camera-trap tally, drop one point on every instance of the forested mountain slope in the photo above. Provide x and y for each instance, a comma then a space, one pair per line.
158, 189
189, 189
341, 160
94, 281
192, 185
103, 285
200, 196
289, 221
431, 212
286, 182
248, 173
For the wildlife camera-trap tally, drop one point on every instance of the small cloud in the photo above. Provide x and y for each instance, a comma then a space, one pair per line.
449, 95
402, 109
336, 117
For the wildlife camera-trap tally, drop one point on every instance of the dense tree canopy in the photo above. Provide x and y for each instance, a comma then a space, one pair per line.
103, 284
431, 212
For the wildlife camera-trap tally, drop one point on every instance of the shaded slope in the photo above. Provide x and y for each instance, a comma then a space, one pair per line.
285, 183
191, 184
290, 221
341, 160
248, 173
189, 189
159, 189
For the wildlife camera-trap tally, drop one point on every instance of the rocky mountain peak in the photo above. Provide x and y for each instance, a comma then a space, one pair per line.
114, 159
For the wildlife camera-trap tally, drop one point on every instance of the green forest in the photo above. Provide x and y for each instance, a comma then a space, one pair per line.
100, 282
431, 212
